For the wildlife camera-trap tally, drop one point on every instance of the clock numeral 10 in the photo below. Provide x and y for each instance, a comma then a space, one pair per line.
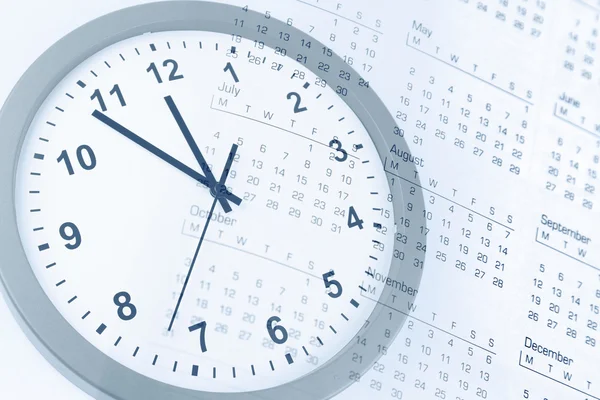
87, 164
115, 90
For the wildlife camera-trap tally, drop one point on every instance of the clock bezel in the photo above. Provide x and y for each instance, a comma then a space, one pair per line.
69, 352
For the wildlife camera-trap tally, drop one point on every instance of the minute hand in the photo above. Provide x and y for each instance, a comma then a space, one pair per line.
160, 154
195, 149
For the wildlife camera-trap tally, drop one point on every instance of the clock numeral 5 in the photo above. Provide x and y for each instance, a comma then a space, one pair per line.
172, 76
87, 163
332, 282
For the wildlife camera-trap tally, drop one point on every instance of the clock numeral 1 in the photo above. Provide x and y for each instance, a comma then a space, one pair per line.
229, 68
273, 330
202, 327
126, 310
87, 164
115, 90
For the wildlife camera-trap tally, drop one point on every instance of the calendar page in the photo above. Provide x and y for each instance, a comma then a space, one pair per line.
497, 100
496, 103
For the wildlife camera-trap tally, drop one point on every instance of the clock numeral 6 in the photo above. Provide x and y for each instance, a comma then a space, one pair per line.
332, 282
273, 330
172, 76
123, 301
85, 157
69, 231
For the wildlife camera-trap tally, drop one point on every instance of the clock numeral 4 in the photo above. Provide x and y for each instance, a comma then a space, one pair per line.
353, 219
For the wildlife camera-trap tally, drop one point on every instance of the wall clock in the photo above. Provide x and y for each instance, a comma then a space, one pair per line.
194, 205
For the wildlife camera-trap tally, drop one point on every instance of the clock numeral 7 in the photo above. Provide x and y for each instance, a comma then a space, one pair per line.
115, 90
202, 327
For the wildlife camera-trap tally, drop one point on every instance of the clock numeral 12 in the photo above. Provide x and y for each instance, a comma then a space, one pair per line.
172, 76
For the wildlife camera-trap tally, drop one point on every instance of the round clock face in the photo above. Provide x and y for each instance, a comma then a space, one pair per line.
202, 210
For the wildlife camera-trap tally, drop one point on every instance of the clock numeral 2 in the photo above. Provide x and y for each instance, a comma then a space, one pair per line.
172, 76
123, 301
297, 108
87, 164
202, 327
115, 90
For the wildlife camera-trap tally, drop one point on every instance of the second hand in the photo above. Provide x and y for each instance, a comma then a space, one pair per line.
220, 190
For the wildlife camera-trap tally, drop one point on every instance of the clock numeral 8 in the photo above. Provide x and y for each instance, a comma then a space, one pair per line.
125, 304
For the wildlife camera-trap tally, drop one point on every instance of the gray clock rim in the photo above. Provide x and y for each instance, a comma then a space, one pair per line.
71, 354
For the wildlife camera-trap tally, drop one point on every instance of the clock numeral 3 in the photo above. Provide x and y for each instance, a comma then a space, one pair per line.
87, 163
126, 310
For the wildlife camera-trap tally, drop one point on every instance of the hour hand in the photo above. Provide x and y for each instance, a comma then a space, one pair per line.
196, 150
160, 154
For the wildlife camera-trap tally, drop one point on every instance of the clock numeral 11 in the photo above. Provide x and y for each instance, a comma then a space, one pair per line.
115, 90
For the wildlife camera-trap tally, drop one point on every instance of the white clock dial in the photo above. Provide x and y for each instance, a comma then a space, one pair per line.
111, 208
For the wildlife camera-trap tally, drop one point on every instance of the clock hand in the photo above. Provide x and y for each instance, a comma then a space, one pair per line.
194, 147
160, 154
220, 191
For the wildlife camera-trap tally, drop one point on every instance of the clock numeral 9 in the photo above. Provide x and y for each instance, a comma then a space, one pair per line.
123, 301
69, 231
87, 163
172, 76
332, 282
273, 330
